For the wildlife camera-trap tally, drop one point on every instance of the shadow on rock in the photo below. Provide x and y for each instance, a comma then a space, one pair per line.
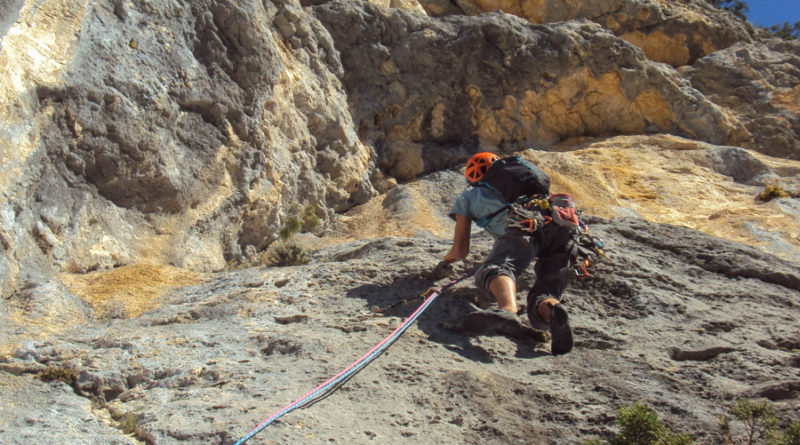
444, 321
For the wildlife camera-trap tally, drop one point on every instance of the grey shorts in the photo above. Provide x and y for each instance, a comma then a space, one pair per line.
510, 256
513, 252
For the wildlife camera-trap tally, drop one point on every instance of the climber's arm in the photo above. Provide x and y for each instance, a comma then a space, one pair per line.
461, 235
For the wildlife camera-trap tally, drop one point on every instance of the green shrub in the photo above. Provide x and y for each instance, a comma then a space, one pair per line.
789, 436
128, 422
305, 220
758, 421
737, 7
291, 226
310, 219
787, 31
639, 425
772, 191
287, 253
759, 425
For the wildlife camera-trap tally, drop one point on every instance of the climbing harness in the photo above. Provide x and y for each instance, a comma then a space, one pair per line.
328, 387
531, 214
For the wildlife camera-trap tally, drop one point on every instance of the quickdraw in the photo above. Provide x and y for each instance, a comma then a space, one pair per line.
589, 249
527, 215
525, 220
542, 203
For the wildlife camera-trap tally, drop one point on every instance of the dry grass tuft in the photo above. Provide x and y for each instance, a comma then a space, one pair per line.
128, 291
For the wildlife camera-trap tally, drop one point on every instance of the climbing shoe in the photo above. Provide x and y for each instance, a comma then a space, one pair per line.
560, 331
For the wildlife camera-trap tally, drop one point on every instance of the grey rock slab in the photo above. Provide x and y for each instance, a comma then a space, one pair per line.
33, 411
237, 348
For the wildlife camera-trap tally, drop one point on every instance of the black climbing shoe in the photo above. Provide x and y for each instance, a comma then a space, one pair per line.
560, 330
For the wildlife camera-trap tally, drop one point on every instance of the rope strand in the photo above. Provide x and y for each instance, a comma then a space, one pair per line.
329, 386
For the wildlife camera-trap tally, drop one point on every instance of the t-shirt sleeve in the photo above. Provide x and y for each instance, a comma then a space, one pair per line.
460, 206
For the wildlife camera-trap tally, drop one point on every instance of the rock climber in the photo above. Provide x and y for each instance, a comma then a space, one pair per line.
514, 249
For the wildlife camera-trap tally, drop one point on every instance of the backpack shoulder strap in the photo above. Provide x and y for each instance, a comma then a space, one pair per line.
488, 186
484, 220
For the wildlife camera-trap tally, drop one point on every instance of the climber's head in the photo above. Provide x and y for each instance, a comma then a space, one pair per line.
478, 165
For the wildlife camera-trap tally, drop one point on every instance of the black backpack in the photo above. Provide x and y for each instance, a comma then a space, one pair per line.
514, 177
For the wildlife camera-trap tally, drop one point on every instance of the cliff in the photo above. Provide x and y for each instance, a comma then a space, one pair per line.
153, 150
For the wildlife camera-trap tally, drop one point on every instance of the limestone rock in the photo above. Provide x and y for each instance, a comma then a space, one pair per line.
151, 150
661, 179
421, 87
758, 83
181, 132
221, 349
677, 33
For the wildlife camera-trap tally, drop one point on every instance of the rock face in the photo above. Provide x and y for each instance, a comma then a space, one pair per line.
757, 82
677, 33
673, 318
211, 135
418, 84
154, 125
151, 148
646, 177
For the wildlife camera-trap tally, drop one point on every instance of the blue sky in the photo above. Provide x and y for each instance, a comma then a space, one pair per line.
770, 12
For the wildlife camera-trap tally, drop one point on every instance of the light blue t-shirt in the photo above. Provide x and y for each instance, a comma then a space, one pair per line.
476, 203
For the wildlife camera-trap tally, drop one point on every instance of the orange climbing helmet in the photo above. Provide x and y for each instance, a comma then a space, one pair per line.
478, 165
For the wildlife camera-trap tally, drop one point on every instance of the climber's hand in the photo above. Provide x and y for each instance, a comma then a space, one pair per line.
442, 270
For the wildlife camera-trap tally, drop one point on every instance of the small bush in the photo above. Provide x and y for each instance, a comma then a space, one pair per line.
789, 436
291, 226
66, 375
639, 425
128, 422
759, 424
287, 253
787, 31
305, 221
310, 219
772, 191
737, 7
